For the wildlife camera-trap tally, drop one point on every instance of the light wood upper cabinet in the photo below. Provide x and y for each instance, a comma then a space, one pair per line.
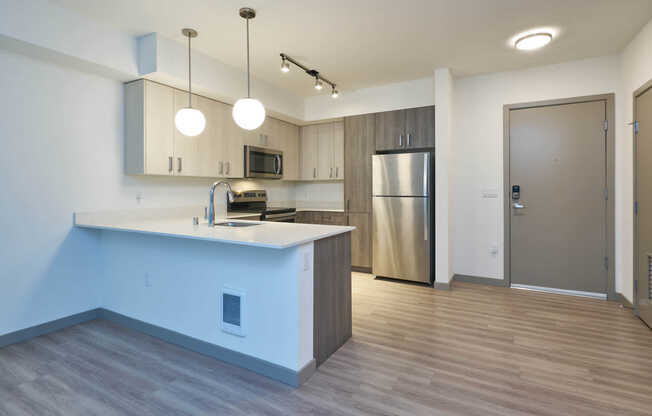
154, 146
325, 151
338, 150
196, 156
289, 140
322, 152
413, 128
229, 150
149, 118
308, 152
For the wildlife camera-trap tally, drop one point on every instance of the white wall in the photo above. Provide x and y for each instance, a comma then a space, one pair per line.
478, 149
636, 69
444, 135
408, 94
62, 138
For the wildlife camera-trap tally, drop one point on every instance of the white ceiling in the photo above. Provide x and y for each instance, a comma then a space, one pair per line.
362, 43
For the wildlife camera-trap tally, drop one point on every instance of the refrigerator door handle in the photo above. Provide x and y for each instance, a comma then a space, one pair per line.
426, 219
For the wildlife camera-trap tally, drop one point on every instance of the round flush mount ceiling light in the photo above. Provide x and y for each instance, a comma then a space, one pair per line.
533, 41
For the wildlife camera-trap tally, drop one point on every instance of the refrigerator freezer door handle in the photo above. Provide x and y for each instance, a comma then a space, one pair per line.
426, 173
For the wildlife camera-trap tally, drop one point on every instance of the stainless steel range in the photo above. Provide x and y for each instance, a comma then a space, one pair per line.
255, 201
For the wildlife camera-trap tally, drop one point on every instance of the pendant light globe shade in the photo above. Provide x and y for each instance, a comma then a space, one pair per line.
248, 113
190, 122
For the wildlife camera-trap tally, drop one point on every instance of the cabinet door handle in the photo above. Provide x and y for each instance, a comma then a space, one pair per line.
330, 175
170, 163
348, 205
314, 172
337, 172
180, 164
400, 140
228, 168
408, 139
221, 167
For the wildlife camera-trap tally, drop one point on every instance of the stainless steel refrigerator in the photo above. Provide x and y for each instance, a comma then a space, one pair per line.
403, 214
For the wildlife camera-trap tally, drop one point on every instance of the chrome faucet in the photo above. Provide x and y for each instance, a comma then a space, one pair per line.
211, 200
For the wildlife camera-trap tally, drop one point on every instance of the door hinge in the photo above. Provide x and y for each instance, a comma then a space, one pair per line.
606, 125
606, 263
606, 193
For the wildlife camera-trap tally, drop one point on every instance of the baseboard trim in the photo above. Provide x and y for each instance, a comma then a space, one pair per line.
43, 329
441, 286
265, 368
479, 280
361, 269
620, 298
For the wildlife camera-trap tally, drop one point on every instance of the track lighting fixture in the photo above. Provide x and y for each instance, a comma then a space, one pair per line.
319, 79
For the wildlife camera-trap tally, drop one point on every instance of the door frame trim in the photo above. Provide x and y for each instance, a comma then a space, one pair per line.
610, 172
637, 93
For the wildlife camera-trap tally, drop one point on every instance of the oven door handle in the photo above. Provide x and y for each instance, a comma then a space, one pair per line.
277, 217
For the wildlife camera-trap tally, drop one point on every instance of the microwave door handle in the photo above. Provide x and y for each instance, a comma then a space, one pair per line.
277, 164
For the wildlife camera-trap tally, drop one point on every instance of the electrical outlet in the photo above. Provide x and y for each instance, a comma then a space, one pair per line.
306, 261
148, 280
139, 197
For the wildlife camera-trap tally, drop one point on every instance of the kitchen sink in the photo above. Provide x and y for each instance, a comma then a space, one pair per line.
235, 224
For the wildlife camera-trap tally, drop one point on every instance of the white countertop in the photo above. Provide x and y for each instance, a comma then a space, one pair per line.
178, 223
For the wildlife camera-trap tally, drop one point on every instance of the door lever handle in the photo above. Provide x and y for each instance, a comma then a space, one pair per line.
518, 205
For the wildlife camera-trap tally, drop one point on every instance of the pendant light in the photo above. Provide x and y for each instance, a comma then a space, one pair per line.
190, 121
248, 113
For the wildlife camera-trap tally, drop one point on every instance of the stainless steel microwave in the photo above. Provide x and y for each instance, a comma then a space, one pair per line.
260, 162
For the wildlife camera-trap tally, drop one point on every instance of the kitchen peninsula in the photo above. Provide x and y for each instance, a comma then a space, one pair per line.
168, 277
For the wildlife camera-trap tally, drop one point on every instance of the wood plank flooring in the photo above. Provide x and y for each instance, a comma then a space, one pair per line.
475, 350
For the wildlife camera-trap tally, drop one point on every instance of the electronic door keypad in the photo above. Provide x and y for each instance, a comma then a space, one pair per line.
516, 192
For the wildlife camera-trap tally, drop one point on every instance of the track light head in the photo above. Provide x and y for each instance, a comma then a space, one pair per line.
318, 84
335, 93
285, 66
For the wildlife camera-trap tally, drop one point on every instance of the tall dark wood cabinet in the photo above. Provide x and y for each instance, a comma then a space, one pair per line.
413, 128
359, 146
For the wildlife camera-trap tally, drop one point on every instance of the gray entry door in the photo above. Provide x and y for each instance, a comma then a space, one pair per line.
558, 226
644, 197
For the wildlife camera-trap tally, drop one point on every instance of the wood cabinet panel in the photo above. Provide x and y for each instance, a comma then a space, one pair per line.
290, 147
359, 145
308, 149
420, 126
332, 295
390, 130
159, 128
325, 168
338, 150
360, 239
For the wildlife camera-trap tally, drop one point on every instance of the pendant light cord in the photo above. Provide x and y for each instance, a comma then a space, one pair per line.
189, 75
248, 73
